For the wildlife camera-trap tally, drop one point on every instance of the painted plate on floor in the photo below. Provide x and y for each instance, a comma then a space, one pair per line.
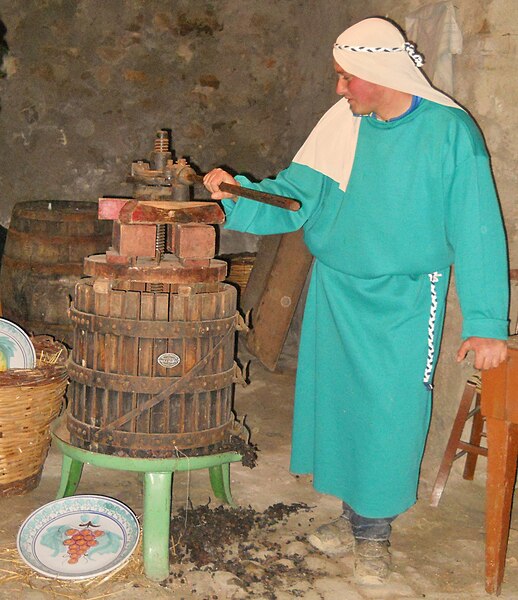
16, 348
78, 537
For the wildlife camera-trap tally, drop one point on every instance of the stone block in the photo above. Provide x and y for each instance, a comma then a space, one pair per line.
195, 241
115, 258
109, 208
134, 240
195, 262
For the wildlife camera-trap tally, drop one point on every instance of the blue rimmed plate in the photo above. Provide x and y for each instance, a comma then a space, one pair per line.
78, 537
16, 349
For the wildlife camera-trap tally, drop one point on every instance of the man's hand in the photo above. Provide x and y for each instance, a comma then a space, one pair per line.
212, 181
489, 352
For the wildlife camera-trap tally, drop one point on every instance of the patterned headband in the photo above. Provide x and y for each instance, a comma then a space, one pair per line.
408, 48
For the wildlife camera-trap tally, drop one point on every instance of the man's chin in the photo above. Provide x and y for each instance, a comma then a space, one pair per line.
357, 110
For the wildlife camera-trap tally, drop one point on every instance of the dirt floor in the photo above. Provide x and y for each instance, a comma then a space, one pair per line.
259, 550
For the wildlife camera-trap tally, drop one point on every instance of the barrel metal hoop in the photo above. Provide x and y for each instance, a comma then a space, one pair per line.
147, 441
141, 384
43, 268
59, 330
150, 329
63, 211
73, 240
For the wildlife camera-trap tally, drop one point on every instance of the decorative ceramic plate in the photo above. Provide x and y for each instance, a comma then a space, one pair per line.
16, 348
78, 537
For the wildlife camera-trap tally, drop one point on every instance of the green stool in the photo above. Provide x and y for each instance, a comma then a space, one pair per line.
158, 480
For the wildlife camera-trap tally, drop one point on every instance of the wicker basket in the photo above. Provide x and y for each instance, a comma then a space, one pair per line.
30, 399
240, 267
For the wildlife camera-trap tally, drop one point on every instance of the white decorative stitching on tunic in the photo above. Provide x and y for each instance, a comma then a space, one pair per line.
408, 48
434, 278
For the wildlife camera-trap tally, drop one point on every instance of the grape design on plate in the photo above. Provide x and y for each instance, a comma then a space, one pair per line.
84, 539
79, 541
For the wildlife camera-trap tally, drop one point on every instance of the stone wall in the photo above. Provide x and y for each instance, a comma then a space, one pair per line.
239, 83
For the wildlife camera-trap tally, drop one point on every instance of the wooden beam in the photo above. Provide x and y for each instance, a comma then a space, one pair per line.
273, 309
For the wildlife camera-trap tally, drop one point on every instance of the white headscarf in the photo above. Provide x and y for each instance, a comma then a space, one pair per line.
374, 50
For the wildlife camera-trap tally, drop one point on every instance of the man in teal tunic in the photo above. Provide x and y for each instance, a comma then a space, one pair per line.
396, 188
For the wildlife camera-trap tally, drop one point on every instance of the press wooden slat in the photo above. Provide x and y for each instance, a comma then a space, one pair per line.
113, 345
161, 313
130, 358
175, 314
145, 355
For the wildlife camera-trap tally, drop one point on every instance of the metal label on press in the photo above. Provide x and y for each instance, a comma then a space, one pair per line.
168, 360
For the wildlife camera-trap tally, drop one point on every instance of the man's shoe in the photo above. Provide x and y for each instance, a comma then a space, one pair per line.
335, 538
371, 562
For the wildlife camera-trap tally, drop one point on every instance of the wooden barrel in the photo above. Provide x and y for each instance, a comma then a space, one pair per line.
43, 260
240, 267
151, 372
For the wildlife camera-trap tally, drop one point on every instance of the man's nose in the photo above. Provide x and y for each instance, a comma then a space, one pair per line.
341, 87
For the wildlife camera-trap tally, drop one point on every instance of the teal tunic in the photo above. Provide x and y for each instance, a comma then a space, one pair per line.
420, 199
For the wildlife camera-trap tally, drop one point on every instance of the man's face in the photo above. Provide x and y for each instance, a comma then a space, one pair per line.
363, 96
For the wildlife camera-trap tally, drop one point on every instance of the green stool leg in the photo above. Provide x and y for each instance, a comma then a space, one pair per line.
156, 525
220, 482
71, 471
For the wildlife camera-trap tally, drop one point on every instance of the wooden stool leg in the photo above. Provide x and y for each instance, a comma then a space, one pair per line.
157, 524
451, 448
502, 443
474, 438
220, 482
71, 471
